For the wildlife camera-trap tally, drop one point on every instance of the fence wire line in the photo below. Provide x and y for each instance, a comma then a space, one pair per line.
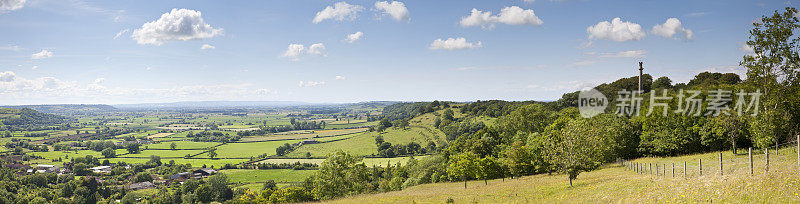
731, 164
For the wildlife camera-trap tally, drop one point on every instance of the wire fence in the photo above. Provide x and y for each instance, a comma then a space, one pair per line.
779, 157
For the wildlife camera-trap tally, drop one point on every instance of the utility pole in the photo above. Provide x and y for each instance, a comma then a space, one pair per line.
640, 77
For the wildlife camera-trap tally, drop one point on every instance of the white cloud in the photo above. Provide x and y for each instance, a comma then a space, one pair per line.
19, 90
7, 76
35, 67
41, 55
207, 47
310, 83
340, 11
264, 91
453, 44
517, 16
616, 30
293, 51
528, 1
671, 27
10, 5
625, 54
746, 48
396, 9
316, 49
177, 25
513, 15
148, 68
354, 37
120, 33
339, 77
11, 48
582, 63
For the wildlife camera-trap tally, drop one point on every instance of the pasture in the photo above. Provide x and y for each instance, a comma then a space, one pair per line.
259, 176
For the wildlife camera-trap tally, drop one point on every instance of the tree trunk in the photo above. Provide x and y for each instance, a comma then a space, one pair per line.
465, 183
485, 182
570, 181
734, 146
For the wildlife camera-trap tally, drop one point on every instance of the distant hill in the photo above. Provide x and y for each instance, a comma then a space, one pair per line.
67, 109
26, 118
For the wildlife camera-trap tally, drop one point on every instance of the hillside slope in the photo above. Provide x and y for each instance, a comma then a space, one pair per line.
610, 184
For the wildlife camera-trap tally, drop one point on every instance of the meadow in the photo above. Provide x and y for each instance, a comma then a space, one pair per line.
260, 176
612, 183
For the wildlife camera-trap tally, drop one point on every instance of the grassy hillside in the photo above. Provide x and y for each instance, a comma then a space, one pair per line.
612, 184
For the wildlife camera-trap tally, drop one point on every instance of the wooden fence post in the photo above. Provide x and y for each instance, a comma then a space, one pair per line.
766, 166
656, 169
684, 169
700, 164
720, 163
673, 169
750, 152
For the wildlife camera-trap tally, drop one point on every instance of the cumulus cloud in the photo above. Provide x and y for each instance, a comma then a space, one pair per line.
354, 37
671, 27
177, 25
310, 83
317, 49
41, 55
293, 51
99, 80
207, 47
339, 77
35, 67
120, 33
625, 54
340, 11
396, 9
616, 30
7, 76
513, 15
10, 5
453, 44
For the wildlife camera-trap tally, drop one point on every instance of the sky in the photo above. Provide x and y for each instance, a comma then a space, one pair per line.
125, 52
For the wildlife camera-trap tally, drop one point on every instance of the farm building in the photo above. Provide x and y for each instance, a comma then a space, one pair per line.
140, 186
101, 169
45, 168
204, 172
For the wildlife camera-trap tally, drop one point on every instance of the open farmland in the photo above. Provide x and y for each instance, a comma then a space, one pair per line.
259, 176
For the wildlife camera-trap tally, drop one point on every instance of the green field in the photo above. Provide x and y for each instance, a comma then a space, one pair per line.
183, 145
359, 144
246, 150
256, 176
366, 161
194, 162
164, 153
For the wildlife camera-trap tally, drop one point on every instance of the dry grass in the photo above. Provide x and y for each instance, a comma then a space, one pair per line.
160, 135
612, 184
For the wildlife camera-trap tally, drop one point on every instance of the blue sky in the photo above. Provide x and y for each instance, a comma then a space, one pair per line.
120, 52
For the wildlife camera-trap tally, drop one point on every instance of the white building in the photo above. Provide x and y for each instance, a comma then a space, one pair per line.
101, 169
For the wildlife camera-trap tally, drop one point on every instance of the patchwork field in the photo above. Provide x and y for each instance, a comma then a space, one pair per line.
247, 150
258, 176
183, 145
